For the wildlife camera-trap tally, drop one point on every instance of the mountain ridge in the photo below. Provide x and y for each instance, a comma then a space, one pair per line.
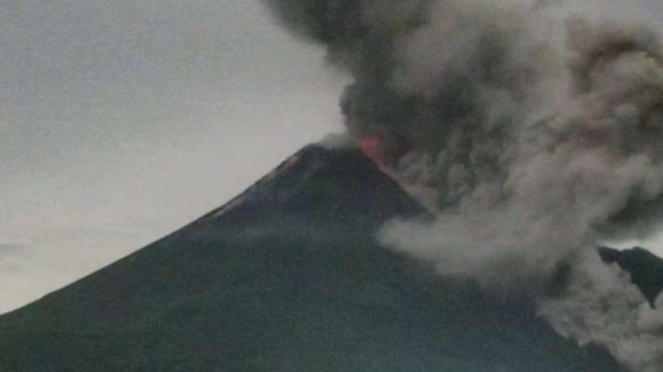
286, 277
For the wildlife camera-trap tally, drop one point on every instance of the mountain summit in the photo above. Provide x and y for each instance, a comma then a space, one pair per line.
288, 277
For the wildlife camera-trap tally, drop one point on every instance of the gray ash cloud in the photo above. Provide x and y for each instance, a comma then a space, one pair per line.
538, 125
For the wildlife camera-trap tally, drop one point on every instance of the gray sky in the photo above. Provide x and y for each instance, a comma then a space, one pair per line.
120, 121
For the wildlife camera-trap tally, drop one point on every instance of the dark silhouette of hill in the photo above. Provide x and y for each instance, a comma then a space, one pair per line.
287, 277
645, 268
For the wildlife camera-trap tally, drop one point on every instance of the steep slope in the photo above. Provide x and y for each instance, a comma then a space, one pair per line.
286, 277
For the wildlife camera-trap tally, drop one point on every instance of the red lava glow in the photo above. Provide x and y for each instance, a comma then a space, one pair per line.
372, 147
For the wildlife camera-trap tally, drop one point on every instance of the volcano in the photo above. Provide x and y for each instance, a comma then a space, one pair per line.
289, 277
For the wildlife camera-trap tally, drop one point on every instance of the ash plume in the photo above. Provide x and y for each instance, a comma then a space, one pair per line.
537, 125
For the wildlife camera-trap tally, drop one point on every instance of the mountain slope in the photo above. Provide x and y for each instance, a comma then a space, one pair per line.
286, 277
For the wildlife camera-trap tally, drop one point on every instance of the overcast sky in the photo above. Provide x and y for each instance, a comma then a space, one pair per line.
122, 120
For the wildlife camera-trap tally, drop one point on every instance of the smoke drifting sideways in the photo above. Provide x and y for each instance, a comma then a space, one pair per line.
538, 126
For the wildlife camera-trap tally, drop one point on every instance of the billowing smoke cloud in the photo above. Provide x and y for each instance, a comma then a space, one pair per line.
601, 306
539, 131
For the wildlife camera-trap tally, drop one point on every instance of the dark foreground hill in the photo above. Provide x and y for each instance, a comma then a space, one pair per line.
645, 268
286, 277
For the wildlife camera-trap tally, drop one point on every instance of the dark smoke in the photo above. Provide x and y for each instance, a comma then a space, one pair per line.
436, 88
538, 130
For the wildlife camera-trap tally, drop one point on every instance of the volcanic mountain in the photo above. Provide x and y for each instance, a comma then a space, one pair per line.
289, 277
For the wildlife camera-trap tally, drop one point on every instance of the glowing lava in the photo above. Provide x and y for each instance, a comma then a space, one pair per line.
373, 147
